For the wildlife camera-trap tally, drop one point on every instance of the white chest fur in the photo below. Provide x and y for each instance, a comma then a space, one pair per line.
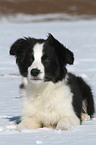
48, 102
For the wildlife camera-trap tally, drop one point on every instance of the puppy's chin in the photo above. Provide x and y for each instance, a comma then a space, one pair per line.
35, 80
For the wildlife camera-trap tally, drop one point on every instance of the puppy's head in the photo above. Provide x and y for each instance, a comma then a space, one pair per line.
42, 60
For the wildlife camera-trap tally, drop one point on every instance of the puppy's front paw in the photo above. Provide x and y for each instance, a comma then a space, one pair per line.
63, 125
28, 123
67, 123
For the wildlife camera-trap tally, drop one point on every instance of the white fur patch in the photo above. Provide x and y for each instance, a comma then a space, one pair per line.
48, 104
37, 64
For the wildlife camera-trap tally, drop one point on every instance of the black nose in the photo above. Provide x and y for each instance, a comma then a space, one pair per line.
35, 72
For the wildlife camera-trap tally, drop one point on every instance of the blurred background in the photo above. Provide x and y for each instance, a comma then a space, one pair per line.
73, 7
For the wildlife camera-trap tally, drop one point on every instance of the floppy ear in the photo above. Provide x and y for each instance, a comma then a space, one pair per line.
15, 48
65, 56
19, 49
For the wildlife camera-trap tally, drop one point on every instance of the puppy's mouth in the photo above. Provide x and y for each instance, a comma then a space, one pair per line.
36, 79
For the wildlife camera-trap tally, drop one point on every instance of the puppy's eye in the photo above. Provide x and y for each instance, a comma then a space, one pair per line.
45, 59
30, 60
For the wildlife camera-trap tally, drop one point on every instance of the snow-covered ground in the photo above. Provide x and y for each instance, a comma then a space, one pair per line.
78, 36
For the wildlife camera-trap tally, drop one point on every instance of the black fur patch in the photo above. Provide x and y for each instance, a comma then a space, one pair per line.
81, 91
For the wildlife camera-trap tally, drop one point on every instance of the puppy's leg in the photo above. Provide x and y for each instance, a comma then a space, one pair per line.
29, 123
67, 123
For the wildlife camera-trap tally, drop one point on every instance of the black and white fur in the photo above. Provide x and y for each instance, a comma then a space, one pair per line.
51, 96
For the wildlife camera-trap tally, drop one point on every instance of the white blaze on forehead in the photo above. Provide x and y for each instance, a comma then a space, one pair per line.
38, 52
37, 63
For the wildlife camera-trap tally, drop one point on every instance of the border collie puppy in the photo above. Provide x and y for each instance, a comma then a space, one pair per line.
51, 96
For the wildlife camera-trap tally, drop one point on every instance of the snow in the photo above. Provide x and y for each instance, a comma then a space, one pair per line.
78, 36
